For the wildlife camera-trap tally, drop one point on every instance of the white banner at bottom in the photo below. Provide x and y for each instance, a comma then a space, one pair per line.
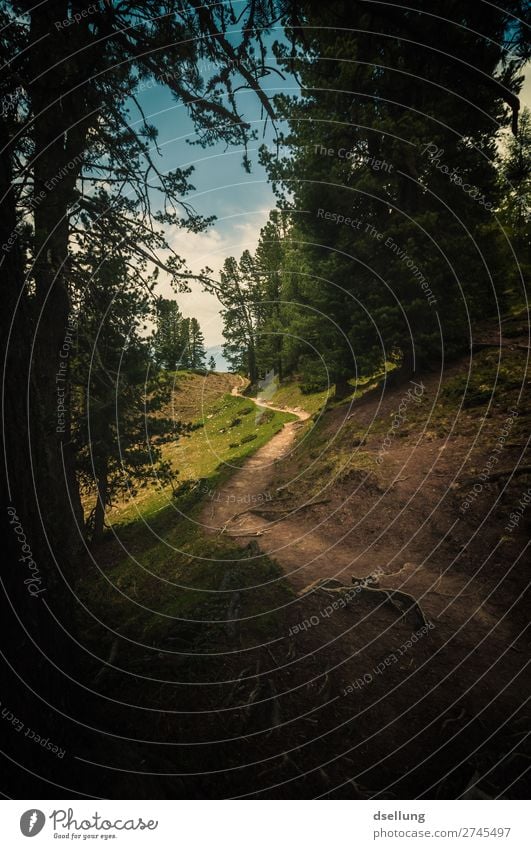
265, 824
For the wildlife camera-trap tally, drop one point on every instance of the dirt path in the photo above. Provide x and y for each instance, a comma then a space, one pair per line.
450, 699
448, 694
251, 488
315, 540
247, 507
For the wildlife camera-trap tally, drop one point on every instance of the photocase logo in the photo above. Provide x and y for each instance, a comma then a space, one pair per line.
32, 822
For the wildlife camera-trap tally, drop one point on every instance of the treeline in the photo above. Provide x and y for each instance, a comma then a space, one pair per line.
401, 223
178, 342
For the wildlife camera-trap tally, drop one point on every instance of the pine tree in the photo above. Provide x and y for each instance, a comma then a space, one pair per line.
390, 185
118, 430
167, 339
268, 262
238, 293
196, 346
185, 356
178, 342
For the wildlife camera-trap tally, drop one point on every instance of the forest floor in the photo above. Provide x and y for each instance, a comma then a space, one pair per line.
399, 505
239, 659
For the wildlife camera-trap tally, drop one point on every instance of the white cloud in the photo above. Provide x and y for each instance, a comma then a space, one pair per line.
227, 237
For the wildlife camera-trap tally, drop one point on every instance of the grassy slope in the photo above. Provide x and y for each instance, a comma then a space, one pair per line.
158, 570
172, 583
227, 431
483, 388
290, 395
322, 461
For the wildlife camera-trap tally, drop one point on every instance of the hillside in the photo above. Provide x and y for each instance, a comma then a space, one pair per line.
301, 647
397, 519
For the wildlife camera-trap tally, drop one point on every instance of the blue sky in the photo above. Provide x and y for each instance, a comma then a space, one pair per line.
241, 201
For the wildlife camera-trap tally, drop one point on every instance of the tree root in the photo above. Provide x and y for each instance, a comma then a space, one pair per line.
403, 602
273, 511
250, 534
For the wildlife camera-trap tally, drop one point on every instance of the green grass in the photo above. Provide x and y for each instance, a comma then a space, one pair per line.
290, 395
487, 379
158, 556
176, 582
329, 462
229, 430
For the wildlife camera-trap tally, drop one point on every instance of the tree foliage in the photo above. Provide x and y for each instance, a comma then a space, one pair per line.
387, 184
79, 158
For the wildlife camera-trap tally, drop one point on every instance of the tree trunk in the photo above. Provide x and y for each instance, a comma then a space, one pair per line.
33, 643
343, 388
405, 371
251, 364
279, 357
59, 135
101, 501
43, 524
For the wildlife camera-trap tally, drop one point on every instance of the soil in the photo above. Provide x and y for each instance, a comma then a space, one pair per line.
422, 699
